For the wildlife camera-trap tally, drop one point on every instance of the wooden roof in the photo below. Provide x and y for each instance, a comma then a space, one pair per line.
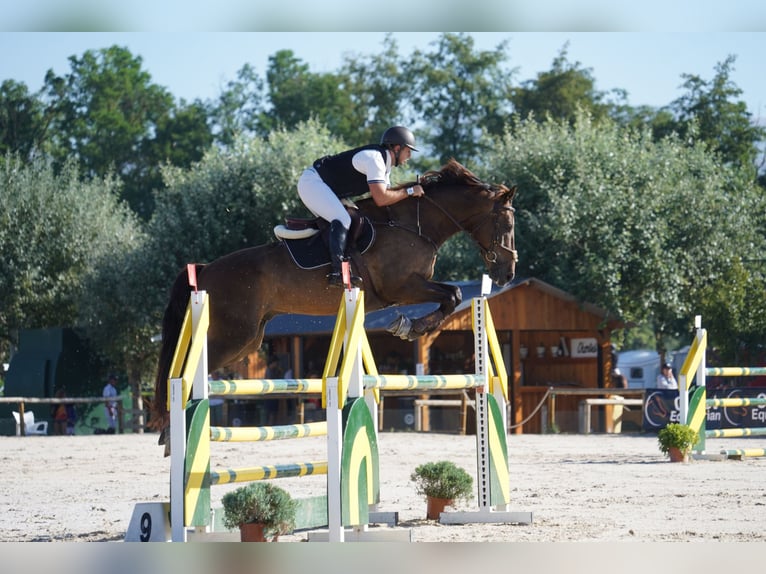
533, 305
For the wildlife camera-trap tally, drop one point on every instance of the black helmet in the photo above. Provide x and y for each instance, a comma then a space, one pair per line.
398, 135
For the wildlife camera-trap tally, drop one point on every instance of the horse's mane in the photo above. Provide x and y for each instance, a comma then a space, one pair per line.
454, 172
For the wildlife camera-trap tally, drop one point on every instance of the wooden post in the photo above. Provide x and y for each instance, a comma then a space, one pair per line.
463, 413
22, 425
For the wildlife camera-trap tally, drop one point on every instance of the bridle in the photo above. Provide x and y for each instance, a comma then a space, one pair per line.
488, 253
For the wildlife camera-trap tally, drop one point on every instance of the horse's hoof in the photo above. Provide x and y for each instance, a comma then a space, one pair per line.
400, 327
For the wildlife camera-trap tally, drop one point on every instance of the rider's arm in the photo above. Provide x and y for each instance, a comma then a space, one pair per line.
382, 195
372, 164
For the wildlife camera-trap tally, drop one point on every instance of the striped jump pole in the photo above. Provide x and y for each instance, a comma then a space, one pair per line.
267, 433
266, 472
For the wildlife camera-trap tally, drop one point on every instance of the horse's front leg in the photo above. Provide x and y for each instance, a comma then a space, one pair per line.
448, 297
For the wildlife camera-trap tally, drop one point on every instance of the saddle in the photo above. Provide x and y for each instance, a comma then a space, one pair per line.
306, 239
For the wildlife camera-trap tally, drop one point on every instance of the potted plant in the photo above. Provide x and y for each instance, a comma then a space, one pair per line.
676, 440
260, 510
441, 483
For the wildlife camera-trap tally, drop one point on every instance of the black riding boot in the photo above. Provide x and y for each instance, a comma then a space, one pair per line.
337, 244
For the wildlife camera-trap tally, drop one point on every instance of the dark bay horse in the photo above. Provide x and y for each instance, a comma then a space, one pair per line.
250, 286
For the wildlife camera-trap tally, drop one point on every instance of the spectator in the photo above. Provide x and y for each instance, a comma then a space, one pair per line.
666, 380
59, 414
110, 407
71, 419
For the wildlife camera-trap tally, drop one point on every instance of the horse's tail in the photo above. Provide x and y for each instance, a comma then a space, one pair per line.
171, 329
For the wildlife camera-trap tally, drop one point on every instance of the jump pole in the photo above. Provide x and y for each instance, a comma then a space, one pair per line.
344, 395
493, 477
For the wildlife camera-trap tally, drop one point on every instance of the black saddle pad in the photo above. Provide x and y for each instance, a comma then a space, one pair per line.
312, 252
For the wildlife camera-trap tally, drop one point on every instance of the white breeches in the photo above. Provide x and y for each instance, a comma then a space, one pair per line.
320, 199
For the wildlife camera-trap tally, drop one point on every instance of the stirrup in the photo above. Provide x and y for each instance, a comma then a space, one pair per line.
336, 278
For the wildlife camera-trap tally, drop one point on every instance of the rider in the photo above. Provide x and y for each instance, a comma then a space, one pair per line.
352, 173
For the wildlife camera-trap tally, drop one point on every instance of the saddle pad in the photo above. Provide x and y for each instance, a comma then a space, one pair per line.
312, 253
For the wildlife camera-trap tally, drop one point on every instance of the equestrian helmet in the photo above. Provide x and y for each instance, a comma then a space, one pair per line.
398, 135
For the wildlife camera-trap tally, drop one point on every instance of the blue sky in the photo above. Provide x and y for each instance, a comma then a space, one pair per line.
195, 65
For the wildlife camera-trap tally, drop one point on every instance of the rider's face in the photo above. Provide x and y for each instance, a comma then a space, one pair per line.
404, 154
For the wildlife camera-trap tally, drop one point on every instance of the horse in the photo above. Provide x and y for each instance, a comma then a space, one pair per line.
250, 286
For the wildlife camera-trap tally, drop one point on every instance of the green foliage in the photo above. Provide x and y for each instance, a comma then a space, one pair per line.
442, 479
108, 115
463, 94
378, 88
711, 112
559, 93
238, 107
297, 95
55, 230
641, 228
676, 435
261, 503
22, 124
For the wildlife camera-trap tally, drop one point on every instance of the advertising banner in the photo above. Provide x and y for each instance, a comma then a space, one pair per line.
662, 406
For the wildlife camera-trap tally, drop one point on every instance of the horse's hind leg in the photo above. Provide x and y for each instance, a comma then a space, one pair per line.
448, 297
232, 342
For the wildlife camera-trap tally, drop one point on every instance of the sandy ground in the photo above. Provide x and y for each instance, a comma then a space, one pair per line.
601, 488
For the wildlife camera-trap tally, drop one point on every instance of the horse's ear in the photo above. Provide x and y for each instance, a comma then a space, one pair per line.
511, 193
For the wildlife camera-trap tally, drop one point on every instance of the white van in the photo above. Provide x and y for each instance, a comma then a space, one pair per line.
641, 367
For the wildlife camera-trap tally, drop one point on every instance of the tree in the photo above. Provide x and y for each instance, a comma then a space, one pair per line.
560, 92
710, 112
180, 138
640, 228
378, 88
54, 230
459, 93
120, 312
240, 107
22, 121
109, 115
296, 95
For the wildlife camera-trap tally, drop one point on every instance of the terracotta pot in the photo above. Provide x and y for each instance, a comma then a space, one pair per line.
436, 506
676, 455
251, 532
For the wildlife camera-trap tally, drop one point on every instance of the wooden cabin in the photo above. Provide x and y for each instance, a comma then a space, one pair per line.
551, 343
